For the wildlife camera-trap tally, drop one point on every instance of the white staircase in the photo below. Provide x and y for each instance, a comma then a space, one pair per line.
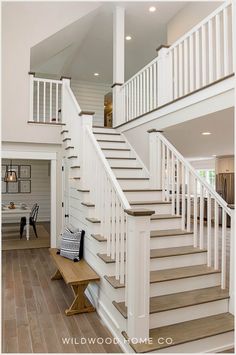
185, 287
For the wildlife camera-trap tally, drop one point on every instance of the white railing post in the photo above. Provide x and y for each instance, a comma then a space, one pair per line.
155, 159
65, 82
86, 123
31, 96
118, 116
138, 270
232, 263
164, 76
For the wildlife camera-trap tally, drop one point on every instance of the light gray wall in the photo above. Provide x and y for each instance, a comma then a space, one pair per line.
90, 97
40, 187
24, 24
189, 16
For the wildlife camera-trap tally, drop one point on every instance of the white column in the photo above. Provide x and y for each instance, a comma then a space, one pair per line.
155, 158
31, 96
118, 64
232, 264
164, 77
86, 118
65, 82
53, 224
138, 270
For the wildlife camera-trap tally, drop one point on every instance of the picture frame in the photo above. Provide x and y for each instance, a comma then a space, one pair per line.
25, 172
4, 169
15, 168
25, 186
12, 187
4, 187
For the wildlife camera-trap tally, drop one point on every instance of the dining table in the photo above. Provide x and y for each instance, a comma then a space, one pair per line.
9, 214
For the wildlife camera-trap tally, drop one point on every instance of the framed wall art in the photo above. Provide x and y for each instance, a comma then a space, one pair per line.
12, 187
25, 172
25, 186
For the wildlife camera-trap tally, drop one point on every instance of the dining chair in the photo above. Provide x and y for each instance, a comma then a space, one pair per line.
32, 220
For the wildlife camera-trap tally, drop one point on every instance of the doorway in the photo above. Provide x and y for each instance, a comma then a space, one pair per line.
108, 110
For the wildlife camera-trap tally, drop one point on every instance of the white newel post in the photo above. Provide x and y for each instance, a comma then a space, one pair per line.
86, 118
164, 76
155, 159
138, 272
118, 65
64, 103
31, 96
232, 264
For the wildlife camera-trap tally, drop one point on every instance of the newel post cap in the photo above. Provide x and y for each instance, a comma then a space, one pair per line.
31, 73
65, 77
154, 130
88, 113
139, 212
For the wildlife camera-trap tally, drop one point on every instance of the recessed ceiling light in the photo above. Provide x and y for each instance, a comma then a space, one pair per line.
152, 9
128, 38
206, 133
96, 74
214, 155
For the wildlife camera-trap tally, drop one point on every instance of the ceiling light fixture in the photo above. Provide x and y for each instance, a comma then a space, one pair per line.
96, 74
206, 133
152, 9
128, 38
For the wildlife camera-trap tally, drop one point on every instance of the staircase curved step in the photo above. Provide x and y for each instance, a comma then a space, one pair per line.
186, 332
180, 300
88, 204
93, 220
170, 274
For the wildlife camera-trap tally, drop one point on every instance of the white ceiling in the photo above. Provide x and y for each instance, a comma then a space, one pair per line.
85, 47
187, 137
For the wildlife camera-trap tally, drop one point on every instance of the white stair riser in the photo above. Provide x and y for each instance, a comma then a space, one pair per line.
134, 184
109, 137
186, 284
115, 144
82, 196
129, 173
167, 223
211, 344
178, 261
171, 242
188, 313
161, 208
94, 228
122, 162
104, 130
144, 196
117, 153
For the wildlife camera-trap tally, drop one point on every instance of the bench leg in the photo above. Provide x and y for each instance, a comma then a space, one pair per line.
56, 276
80, 304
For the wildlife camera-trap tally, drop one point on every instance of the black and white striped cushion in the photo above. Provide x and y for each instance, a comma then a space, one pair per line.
72, 244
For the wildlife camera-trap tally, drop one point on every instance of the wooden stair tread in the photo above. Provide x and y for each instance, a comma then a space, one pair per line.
76, 177
75, 167
180, 300
149, 203
88, 204
186, 332
123, 149
164, 216
181, 273
70, 147
82, 190
108, 140
127, 167
66, 139
168, 233
93, 220
72, 156
141, 190
99, 237
133, 178
170, 274
166, 252
124, 158
64, 131
107, 133
160, 253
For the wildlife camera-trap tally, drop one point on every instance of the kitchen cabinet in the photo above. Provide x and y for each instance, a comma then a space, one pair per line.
225, 164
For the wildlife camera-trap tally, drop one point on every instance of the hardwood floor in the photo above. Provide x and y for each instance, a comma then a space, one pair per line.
33, 309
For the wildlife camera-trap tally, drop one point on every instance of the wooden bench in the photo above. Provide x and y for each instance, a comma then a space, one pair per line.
77, 275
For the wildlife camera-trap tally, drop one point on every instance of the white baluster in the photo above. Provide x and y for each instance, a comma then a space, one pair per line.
183, 197
31, 97
216, 241
218, 46
147, 91
56, 102
163, 172
188, 202
209, 246
113, 226
50, 103
144, 92
201, 217
226, 41
223, 252
197, 59
180, 47
122, 246
117, 238
38, 101
177, 187
175, 73
151, 88
138, 96
141, 93
155, 85
167, 175
191, 64
44, 101
172, 183
195, 213
186, 67
204, 62
210, 51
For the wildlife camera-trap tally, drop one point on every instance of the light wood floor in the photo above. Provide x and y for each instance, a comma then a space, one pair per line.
33, 309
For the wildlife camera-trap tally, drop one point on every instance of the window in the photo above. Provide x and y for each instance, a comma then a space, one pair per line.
209, 175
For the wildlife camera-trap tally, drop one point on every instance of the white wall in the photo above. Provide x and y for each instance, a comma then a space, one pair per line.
189, 16
90, 97
24, 24
203, 164
40, 187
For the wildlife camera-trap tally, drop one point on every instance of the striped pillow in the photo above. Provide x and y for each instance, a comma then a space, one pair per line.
72, 244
